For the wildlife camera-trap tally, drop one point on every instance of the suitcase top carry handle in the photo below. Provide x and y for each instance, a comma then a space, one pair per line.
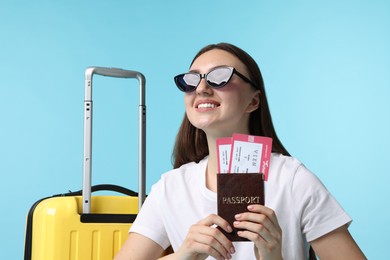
113, 72
116, 73
87, 162
100, 187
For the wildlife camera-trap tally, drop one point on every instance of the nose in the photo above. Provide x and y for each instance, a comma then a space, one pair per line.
203, 88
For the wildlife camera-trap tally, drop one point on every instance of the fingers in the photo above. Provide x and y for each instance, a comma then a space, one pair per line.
259, 224
216, 220
265, 211
204, 239
221, 242
210, 241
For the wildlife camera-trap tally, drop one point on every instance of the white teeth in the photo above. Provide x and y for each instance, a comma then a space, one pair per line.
206, 105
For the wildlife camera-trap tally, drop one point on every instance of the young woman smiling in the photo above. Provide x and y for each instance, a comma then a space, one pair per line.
224, 94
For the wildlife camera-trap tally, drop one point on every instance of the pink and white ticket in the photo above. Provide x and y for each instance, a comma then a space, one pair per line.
250, 154
224, 145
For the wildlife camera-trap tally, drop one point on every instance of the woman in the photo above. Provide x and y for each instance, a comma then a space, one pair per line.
224, 94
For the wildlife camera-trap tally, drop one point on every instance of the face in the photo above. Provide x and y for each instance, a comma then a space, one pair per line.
224, 111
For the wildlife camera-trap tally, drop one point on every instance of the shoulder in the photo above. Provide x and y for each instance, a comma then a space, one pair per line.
295, 189
290, 177
280, 162
288, 169
186, 171
283, 168
184, 177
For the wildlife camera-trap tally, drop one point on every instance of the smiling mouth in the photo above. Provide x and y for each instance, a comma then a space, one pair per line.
207, 105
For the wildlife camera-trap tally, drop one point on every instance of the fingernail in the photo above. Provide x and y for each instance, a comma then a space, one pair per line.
232, 250
250, 207
229, 229
236, 223
238, 216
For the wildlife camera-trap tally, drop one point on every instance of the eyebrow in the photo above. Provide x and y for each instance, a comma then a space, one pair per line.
197, 71
194, 71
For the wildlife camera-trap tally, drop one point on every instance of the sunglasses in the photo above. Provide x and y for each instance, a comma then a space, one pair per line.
216, 78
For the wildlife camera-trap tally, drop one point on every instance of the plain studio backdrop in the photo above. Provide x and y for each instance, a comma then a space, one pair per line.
326, 67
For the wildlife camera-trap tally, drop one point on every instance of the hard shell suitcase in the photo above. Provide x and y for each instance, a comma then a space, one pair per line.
77, 225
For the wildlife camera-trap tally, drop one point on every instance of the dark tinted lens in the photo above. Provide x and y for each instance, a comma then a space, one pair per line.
187, 82
219, 77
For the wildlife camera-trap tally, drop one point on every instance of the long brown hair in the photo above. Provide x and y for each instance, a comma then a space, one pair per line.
191, 142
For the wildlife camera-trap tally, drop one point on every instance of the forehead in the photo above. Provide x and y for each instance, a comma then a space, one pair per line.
214, 58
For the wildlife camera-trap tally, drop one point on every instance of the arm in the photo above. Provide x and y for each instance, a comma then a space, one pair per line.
337, 244
139, 247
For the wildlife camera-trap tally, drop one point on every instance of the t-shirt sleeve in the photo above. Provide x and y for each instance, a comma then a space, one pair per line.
319, 211
149, 221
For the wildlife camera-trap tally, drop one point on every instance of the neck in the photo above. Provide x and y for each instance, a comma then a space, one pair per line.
212, 165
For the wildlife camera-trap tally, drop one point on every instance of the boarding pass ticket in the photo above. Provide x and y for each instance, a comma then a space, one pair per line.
244, 154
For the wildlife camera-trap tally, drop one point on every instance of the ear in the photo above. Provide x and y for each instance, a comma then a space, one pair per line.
255, 102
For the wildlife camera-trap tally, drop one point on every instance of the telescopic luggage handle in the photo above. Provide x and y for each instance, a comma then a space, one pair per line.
87, 162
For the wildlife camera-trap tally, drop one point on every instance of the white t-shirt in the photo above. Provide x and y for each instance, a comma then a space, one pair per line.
304, 207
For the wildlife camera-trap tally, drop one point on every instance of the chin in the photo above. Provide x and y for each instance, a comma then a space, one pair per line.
203, 126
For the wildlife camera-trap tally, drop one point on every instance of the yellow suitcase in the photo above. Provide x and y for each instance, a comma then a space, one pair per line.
57, 229
79, 226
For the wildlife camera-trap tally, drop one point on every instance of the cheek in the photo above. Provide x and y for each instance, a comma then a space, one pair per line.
232, 95
187, 100
238, 100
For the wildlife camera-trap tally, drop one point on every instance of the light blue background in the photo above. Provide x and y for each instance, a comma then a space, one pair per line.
326, 66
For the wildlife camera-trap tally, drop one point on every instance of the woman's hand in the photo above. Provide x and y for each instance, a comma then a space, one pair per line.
261, 226
203, 239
